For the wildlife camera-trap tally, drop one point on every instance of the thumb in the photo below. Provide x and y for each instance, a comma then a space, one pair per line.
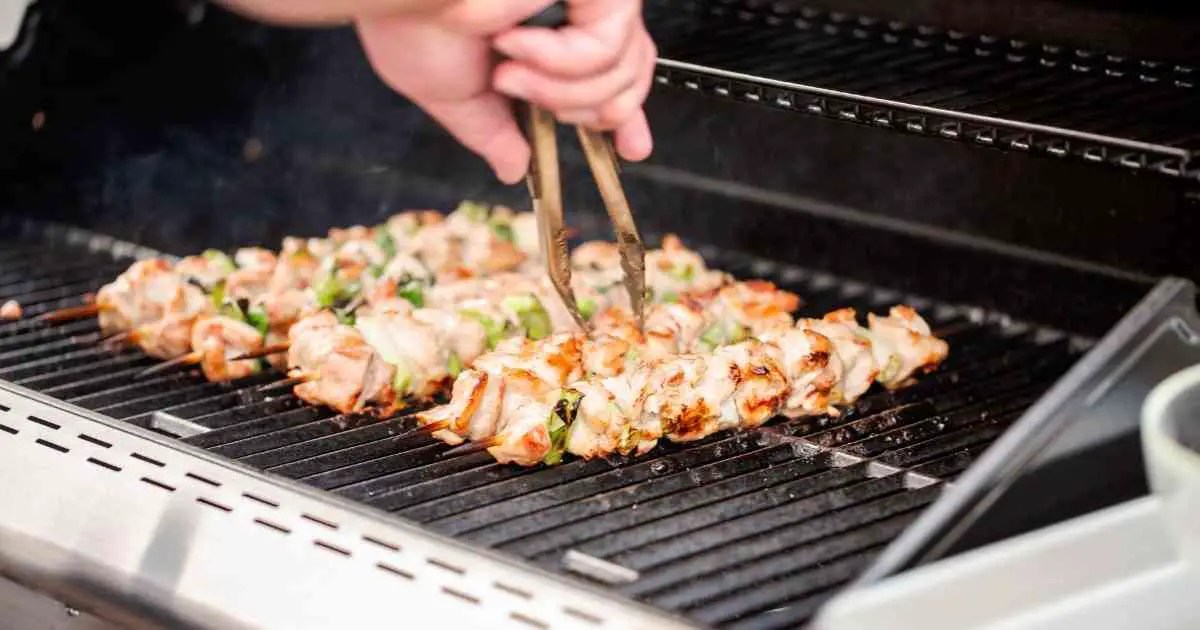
448, 75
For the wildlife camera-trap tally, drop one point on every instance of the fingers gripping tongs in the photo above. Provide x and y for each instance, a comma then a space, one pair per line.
546, 190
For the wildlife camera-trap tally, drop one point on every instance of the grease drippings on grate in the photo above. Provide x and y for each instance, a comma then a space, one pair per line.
741, 530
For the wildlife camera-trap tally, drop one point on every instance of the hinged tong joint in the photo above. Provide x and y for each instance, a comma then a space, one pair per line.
545, 188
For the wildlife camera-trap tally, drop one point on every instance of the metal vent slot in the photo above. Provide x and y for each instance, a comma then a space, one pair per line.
1065, 103
748, 529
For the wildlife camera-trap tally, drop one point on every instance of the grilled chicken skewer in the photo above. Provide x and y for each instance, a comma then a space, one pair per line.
527, 418
155, 305
427, 348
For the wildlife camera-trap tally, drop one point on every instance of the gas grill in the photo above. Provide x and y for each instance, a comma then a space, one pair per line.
852, 159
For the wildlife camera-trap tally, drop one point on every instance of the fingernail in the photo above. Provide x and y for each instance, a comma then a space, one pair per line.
511, 85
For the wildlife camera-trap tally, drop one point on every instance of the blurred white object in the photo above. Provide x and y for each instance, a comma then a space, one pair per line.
11, 14
1136, 564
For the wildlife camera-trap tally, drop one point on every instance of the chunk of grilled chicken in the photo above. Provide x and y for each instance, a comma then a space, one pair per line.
206, 269
693, 396
859, 367
340, 369
911, 343
517, 374
813, 369
219, 340
145, 293
255, 270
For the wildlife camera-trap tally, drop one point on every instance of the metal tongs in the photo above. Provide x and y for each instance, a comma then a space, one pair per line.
546, 190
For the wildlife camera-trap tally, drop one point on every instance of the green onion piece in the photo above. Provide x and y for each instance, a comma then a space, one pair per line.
220, 259
256, 316
503, 230
402, 380
475, 211
559, 423
532, 315
455, 365
218, 295
384, 240
713, 337
344, 317
412, 291
740, 334
232, 311
669, 297
328, 291
683, 272
587, 307
495, 331
375, 270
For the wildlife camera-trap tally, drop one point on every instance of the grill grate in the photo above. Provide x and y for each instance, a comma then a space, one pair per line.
755, 529
987, 90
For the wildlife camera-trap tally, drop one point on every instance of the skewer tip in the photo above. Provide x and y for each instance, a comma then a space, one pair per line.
264, 351
426, 429
71, 313
192, 358
473, 447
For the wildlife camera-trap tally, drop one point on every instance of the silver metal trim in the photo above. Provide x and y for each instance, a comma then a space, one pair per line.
1133, 145
96, 511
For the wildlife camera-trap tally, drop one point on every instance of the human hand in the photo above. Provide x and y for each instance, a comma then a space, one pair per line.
596, 71
439, 54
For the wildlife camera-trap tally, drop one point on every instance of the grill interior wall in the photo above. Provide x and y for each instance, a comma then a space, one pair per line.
754, 529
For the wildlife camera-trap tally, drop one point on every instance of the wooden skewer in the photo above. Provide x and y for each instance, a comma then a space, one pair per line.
264, 351
474, 447
287, 382
426, 429
71, 313
191, 358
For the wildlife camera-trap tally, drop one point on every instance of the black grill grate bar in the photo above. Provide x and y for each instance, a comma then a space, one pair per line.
93, 276
950, 466
59, 348
356, 462
175, 395
50, 379
245, 391
55, 293
254, 406
54, 266
782, 612
931, 428
606, 489
358, 466
760, 555
132, 390
928, 450
249, 428
82, 390
88, 355
828, 538
997, 394
364, 490
652, 543
30, 337
703, 500
309, 439
302, 441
